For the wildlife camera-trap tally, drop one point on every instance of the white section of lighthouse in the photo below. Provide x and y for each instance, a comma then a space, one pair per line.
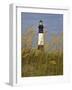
40, 36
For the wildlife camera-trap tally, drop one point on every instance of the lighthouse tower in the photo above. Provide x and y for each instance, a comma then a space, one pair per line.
40, 36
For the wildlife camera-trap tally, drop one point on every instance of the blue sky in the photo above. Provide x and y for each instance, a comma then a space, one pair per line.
53, 23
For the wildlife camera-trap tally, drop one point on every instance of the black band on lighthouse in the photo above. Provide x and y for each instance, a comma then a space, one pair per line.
41, 26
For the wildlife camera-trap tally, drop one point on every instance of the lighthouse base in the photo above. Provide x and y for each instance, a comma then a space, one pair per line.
40, 47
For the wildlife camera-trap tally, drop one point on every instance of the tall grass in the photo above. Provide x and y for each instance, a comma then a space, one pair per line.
41, 63
38, 63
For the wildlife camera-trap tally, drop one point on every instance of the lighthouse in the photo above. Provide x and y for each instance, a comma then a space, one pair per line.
40, 36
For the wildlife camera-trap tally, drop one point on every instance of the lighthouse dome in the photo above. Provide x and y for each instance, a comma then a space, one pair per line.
41, 22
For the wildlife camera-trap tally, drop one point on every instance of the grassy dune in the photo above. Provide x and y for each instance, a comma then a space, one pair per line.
41, 63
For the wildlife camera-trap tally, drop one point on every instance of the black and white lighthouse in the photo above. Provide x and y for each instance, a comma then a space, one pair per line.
40, 36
